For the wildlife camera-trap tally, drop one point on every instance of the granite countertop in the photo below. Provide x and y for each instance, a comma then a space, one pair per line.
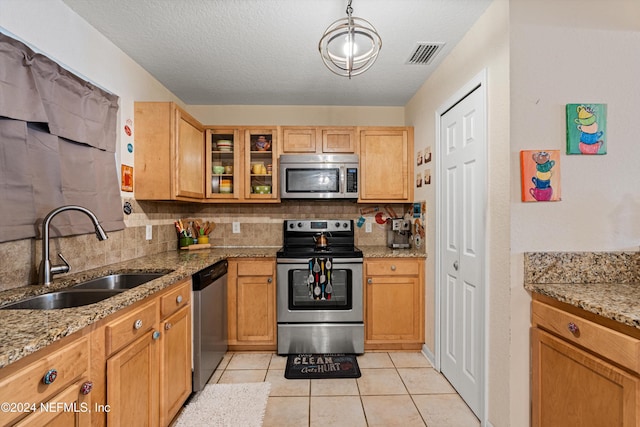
385, 252
606, 284
23, 332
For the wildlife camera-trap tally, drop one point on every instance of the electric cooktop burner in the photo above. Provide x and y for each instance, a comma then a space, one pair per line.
353, 252
300, 236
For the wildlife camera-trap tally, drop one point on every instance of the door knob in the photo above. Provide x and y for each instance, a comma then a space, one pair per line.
455, 265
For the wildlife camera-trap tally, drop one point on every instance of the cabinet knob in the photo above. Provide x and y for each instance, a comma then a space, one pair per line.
167, 326
369, 280
50, 376
393, 268
86, 387
269, 280
179, 299
156, 335
573, 328
137, 324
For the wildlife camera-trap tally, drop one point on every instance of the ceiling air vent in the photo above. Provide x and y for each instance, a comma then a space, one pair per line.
423, 53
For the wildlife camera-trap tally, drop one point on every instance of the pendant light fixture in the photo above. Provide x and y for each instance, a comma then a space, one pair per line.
350, 46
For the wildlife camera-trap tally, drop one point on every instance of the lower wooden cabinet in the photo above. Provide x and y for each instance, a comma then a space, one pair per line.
67, 408
145, 355
50, 387
132, 383
572, 382
132, 368
394, 303
175, 364
251, 293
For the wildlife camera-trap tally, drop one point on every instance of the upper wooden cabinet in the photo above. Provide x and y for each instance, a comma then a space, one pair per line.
386, 164
169, 153
223, 163
241, 164
313, 139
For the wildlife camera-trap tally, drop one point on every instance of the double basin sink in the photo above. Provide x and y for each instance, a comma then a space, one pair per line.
85, 293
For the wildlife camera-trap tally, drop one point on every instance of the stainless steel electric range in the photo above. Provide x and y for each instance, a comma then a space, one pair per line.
319, 288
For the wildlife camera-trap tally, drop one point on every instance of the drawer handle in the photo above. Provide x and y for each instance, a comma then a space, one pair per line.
393, 268
167, 326
50, 376
269, 280
573, 328
86, 387
137, 324
179, 299
156, 335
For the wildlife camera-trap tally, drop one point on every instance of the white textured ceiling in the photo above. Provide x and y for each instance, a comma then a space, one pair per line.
265, 52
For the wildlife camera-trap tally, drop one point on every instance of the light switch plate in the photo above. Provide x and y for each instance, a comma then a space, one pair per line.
236, 227
149, 232
367, 227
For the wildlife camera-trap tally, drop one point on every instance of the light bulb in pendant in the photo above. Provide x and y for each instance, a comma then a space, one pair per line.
348, 42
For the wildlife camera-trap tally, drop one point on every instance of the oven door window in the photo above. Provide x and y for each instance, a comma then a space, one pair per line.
313, 180
301, 292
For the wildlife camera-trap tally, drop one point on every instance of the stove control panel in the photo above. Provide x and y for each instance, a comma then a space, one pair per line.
316, 225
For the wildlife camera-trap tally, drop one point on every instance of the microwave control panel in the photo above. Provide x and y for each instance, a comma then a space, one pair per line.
352, 180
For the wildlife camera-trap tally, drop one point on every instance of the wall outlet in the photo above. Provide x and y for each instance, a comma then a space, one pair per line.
149, 232
236, 227
367, 227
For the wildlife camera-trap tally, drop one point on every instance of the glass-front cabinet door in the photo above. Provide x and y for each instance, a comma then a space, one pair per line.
224, 147
261, 164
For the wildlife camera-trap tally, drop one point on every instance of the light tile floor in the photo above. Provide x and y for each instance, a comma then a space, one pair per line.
395, 389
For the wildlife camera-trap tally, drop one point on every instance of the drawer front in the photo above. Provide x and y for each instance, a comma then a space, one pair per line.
256, 268
176, 299
613, 345
392, 267
131, 326
63, 416
27, 385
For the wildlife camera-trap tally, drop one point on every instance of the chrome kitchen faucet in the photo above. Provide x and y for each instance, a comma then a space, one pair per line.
47, 270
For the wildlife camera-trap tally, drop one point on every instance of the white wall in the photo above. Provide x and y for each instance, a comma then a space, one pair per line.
51, 28
540, 56
297, 115
566, 52
563, 53
485, 46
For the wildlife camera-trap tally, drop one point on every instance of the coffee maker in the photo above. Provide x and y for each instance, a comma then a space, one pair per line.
398, 233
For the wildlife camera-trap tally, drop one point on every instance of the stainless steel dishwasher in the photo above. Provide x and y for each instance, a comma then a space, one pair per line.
209, 321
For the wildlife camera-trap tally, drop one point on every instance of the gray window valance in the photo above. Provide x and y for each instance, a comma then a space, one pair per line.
57, 146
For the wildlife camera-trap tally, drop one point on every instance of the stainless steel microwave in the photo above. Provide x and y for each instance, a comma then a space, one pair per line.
319, 176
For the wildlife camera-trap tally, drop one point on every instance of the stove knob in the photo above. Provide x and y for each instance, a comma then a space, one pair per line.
345, 225
291, 225
337, 225
299, 225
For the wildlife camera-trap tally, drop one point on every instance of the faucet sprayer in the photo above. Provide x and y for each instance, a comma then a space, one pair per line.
47, 270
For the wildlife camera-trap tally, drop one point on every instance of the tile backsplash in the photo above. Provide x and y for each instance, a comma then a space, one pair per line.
260, 225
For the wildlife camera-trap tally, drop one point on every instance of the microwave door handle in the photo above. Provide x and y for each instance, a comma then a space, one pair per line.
342, 180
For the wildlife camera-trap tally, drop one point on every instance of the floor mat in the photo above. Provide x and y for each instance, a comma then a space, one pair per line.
319, 366
227, 405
